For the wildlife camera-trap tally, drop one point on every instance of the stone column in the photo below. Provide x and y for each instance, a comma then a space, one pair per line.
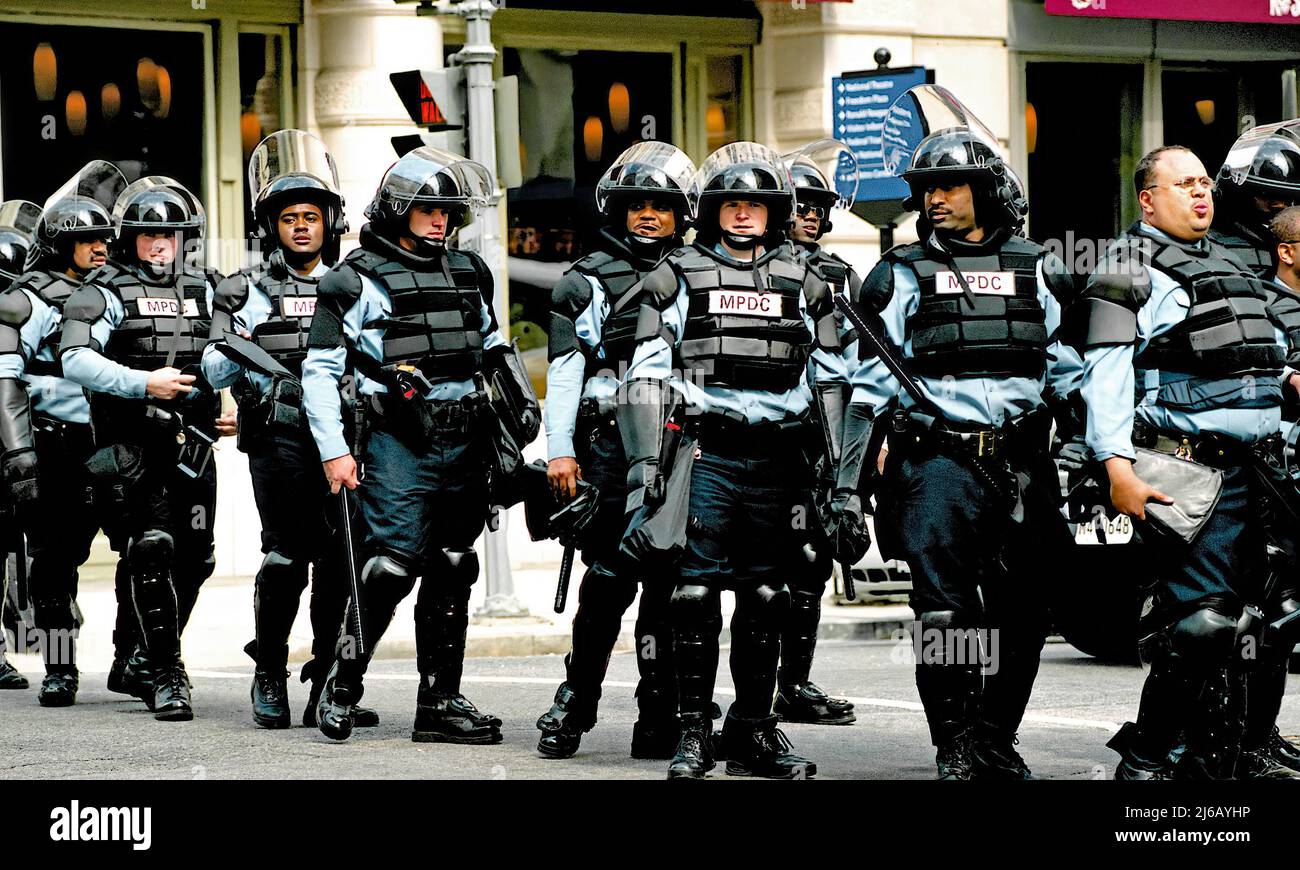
354, 108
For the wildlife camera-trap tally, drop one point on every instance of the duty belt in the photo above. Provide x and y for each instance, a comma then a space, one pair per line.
1015, 437
450, 415
1206, 448
729, 435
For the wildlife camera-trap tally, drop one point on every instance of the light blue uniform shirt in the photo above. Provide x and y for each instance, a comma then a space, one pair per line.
654, 361
50, 395
93, 370
325, 367
220, 370
978, 401
564, 377
1109, 379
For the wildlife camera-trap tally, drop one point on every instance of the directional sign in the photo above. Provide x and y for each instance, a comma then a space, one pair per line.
859, 102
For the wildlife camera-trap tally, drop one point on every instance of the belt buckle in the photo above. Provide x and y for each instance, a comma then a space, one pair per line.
1184, 450
987, 444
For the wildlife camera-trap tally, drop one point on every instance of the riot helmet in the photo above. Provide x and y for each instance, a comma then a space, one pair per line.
157, 204
78, 211
825, 176
930, 138
742, 171
428, 176
653, 171
1264, 162
18, 219
288, 167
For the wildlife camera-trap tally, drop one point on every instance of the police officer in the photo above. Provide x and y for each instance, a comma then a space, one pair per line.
1259, 177
17, 224
298, 212
798, 698
414, 317
595, 307
47, 437
1153, 314
737, 314
134, 335
969, 496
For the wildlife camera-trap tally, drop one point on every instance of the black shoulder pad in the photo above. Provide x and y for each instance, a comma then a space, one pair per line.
486, 284
571, 294
661, 284
1121, 281
15, 307
86, 305
103, 274
231, 293
342, 284
815, 289
34, 280
905, 252
878, 289
1060, 281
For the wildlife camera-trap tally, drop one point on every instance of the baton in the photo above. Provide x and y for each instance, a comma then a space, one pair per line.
846, 574
349, 555
566, 571
886, 355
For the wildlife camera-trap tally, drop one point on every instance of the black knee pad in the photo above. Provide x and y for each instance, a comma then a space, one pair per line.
458, 567
388, 574
282, 572
1205, 637
151, 552
943, 619
606, 590
765, 601
694, 601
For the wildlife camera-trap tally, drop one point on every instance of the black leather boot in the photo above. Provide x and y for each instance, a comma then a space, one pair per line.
1283, 751
171, 696
694, 756
809, 704
10, 678
952, 758
950, 695
759, 748
563, 725
270, 696
451, 718
314, 672
994, 756
656, 731
334, 709
58, 689
130, 674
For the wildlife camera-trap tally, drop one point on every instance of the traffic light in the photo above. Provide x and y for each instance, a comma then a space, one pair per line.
435, 100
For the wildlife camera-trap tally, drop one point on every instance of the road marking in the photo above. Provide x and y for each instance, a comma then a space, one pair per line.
914, 706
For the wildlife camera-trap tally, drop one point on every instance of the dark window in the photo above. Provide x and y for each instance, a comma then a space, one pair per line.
74, 94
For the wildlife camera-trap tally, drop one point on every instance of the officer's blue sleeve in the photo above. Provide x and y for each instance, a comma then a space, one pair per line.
94, 371
218, 369
874, 383
564, 381
492, 336
321, 372
1064, 365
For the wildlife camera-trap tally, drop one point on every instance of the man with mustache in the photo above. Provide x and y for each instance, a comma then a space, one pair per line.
969, 494
45, 419
1181, 357
596, 308
298, 211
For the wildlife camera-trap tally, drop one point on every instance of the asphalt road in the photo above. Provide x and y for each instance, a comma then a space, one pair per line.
1076, 706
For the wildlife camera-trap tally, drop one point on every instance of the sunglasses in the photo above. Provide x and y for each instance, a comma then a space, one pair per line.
816, 211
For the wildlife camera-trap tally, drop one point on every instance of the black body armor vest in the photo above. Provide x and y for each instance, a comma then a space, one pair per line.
1255, 253
1002, 335
618, 276
293, 303
740, 336
1227, 331
164, 324
54, 289
436, 315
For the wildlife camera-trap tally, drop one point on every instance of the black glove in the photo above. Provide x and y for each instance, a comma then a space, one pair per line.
1074, 456
845, 525
20, 475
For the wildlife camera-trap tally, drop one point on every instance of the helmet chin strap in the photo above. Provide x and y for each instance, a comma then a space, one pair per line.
649, 247
739, 242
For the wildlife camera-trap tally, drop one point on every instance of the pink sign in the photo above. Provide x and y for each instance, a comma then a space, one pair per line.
1252, 11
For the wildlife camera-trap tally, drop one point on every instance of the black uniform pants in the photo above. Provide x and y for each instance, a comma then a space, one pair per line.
745, 534
977, 584
610, 584
60, 528
301, 529
423, 506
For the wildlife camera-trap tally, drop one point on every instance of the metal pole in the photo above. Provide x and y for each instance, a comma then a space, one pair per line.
477, 57
1289, 94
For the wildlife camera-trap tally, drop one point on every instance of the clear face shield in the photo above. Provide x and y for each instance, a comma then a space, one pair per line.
157, 203
1265, 161
422, 175
21, 216
742, 172
648, 168
825, 176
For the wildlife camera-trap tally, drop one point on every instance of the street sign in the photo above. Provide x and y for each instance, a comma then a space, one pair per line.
859, 103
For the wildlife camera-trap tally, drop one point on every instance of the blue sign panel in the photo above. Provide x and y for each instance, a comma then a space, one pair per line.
859, 103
